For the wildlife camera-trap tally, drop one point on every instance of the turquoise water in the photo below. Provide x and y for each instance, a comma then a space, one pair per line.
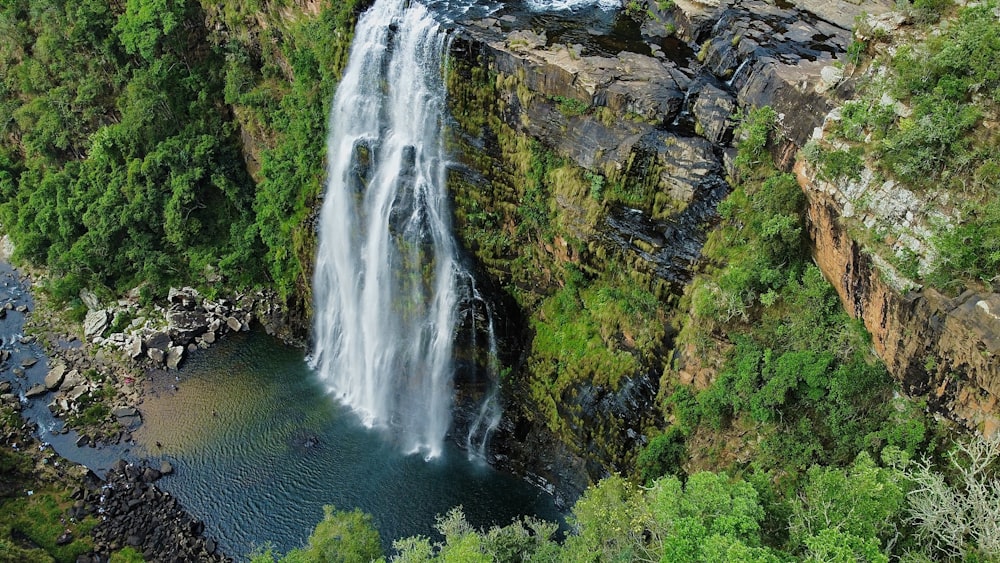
259, 447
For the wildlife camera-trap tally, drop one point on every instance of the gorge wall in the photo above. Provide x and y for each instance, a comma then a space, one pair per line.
939, 347
628, 149
590, 150
589, 165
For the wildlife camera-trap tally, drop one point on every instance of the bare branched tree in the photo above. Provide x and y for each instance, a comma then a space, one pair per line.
955, 518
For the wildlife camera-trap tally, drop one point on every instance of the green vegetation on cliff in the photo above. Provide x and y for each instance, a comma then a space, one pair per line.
788, 399
119, 163
830, 467
798, 370
928, 121
279, 80
534, 219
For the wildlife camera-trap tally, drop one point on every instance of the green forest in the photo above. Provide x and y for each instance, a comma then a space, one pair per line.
155, 143
121, 161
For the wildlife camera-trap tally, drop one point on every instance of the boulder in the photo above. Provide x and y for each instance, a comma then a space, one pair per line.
125, 412
36, 391
156, 355
150, 475
77, 392
73, 379
208, 338
136, 348
55, 377
96, 322
184, 326
89, 299
829, 76
174, 356
5, 387
234, 324
159, 340
166, 468
185, 297
28, 362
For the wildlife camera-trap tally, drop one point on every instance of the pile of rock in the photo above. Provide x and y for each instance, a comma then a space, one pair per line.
163, 336
76, 381
69, 385
135, 513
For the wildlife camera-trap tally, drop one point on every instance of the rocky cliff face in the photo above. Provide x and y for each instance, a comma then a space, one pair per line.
627, 128
650, 123
939, 347
946, 349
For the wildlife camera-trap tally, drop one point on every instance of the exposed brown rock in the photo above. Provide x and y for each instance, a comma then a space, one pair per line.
947, 349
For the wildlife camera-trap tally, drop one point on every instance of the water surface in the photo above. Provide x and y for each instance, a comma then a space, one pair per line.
259, 448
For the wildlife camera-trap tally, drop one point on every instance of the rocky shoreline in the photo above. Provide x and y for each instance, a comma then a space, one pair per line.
130, 510
120, 344
95, 384
137, 514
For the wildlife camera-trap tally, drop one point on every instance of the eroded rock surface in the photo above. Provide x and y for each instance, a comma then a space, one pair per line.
947, 349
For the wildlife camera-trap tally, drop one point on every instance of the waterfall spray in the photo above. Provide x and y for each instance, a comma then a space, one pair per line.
386, 268
388, 279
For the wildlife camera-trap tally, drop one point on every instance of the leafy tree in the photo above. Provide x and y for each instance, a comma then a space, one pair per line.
856, 507
341, 537
525, 540
148, 23
664, 454
608, 521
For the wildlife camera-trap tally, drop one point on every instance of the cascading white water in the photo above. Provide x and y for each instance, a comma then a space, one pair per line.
388, 280
544, 5
386, 274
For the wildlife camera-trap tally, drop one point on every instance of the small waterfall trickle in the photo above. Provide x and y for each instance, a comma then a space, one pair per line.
736, 73
488, 417
685, 109
388, 276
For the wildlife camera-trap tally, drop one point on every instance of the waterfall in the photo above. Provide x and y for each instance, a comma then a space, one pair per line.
387, 278
736, 73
